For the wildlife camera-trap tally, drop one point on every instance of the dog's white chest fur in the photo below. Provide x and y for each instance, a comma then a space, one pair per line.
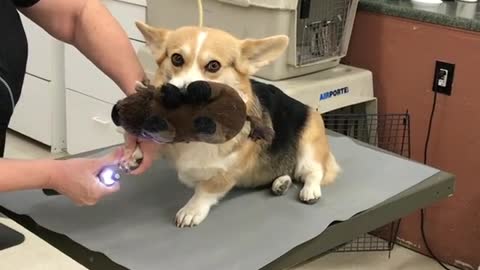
200, 161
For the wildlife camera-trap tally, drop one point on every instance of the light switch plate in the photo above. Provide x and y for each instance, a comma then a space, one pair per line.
443, 77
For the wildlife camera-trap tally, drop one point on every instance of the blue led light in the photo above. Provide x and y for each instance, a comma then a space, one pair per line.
109, 176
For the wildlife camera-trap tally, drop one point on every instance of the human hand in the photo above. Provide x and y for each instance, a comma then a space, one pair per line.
77, 178
149, 150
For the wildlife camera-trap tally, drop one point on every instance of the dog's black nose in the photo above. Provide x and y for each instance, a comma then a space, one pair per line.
198, 92
115, 115
155, 124
204, 125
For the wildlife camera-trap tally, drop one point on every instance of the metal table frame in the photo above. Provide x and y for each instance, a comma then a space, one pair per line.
429, 191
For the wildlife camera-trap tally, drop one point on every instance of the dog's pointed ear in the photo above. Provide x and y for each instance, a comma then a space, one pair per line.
154, 38
256, 53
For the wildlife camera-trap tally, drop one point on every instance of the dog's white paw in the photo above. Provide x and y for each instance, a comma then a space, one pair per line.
131, 161
141, 85
281, 185
310, 193
191, 215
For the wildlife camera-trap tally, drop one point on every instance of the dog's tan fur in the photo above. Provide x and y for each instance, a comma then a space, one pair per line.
215, 169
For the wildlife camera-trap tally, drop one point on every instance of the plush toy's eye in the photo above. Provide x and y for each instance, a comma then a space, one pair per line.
177, 60
213, 66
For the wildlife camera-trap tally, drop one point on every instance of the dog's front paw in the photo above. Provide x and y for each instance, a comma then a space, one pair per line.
131, 161
141, 85
310, 194
191, 215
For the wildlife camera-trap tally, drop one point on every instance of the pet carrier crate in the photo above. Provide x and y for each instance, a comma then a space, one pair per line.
390, 132
319, 31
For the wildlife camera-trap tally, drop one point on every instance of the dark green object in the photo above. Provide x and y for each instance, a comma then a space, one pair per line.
449, 13
9, 237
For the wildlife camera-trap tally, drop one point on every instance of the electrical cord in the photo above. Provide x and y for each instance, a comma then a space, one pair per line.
200, 13
422, 211
427, 140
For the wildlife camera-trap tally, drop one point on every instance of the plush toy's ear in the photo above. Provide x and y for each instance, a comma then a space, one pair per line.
170, 96
198, 92
154, 38
256, 53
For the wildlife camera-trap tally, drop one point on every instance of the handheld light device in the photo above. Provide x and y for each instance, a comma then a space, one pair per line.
109, 175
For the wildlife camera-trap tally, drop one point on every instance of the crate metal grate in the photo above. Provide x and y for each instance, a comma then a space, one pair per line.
390, 132
322, 32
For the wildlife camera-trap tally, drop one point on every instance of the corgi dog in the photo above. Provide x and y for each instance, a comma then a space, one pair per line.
299, 149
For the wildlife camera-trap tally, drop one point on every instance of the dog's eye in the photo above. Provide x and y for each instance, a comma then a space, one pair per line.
177, 60
213, 66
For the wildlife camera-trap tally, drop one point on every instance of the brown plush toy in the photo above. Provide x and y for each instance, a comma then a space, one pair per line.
206, 111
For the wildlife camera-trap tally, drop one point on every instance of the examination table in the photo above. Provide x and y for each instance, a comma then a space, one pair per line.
248, 229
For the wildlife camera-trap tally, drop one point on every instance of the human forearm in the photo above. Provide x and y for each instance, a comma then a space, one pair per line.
89, 26
76, 178
25, 174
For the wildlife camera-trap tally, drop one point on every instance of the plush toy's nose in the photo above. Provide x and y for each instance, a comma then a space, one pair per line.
115, 115
204, 125
155, 124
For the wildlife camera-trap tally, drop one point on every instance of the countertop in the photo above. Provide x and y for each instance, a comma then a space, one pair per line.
457, 14
34, 253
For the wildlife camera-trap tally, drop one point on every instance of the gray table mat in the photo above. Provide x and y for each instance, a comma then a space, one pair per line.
247, 230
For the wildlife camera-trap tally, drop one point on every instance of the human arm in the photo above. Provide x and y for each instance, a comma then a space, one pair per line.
89, 26
75, 178
25, 174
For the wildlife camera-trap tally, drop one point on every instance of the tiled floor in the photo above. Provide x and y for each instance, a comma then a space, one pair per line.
20, 147
401, 258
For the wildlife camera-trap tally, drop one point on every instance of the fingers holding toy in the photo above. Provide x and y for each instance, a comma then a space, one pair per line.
139, 154
77, 178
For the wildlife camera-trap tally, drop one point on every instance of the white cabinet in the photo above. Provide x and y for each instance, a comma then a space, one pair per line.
90, 93
66, 101
89, 125
33, 114
40, 50
40, 112
84, 77
127, 12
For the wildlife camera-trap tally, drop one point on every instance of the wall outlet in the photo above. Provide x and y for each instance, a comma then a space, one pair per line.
443, 78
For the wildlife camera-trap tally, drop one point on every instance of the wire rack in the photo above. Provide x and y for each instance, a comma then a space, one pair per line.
390, 132
321, 34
